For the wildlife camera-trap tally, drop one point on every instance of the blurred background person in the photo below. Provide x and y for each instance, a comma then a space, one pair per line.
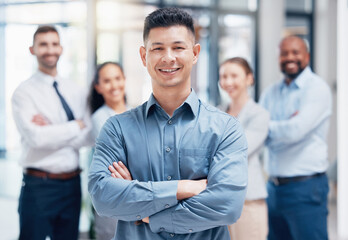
51, 116
107, 98
236, 76
300, 108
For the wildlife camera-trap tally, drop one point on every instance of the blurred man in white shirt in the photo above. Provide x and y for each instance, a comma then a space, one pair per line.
51, 117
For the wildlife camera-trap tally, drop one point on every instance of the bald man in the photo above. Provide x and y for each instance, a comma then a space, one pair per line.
300, 108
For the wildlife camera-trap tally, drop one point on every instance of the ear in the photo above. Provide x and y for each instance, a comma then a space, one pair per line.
142, 52
196, 50
308, 58
250, 79
31, 49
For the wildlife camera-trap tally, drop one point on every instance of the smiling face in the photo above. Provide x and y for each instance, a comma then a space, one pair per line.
47, 50
235, 80
293, 57
111, 84
169, 54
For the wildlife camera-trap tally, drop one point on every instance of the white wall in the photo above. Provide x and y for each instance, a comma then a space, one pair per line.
342, 99
325, 59
271, 21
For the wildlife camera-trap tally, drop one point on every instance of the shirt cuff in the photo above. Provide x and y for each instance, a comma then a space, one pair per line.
165, 194
162, 221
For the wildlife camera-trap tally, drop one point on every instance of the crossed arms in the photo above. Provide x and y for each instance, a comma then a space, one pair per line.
175, 206
186, 188
39, 132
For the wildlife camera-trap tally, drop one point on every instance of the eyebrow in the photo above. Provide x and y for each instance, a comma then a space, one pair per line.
160, 43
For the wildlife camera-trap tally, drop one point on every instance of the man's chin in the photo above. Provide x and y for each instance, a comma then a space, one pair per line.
50, 66
292, 75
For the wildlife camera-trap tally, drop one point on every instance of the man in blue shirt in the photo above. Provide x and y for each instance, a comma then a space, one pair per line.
187, 161
300, 108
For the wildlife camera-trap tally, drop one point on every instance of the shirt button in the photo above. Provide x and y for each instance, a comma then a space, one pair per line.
167, 206
169, 178
170, 122
190, 230
138, 217
172, 235
161, 229
168, 149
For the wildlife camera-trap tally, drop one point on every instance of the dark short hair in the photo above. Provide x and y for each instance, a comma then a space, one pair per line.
241, 62
167, 17
44, 29
96, 100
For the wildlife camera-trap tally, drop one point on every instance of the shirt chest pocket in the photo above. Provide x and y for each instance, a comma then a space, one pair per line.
194, 163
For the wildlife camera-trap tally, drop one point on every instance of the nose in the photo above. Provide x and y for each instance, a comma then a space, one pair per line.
50, 49
114, 84
168, 56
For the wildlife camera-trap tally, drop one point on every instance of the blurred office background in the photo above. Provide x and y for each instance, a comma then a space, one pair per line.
94, 31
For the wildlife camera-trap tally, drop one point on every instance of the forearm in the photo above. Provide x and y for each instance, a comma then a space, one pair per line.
130, 200
49, 136
85, 138
220, 204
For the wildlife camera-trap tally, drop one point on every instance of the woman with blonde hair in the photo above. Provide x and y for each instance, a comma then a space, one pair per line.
235, 77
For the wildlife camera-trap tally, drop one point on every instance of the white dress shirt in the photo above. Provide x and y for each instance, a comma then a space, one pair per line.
53, 147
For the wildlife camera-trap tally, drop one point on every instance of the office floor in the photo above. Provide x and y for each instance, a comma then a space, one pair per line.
10, 182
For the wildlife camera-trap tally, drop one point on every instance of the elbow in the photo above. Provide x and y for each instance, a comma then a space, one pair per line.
35, 142
236, 203
234, 215
105, 201
230, 206
99, 203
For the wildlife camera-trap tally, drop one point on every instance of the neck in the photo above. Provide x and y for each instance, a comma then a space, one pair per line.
49, 71
237, 104
170, 99
118, 107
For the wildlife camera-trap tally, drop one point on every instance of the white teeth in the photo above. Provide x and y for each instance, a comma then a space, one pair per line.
169, 70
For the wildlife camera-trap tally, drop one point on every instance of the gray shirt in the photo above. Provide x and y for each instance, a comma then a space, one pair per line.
255, 120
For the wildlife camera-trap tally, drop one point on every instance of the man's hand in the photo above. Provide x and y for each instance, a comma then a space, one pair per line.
146, 220
40, 120
190, 188
186, 188
119, 170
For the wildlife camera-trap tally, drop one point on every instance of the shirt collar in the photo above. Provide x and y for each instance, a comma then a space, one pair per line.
301, 79
192, 101
48, 78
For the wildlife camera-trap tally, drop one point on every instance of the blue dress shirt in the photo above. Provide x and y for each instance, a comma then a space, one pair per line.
300, 114
197, 142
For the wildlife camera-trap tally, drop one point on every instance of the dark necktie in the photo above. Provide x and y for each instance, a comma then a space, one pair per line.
64, 103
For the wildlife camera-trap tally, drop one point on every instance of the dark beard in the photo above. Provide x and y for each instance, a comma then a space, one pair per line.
292, 75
